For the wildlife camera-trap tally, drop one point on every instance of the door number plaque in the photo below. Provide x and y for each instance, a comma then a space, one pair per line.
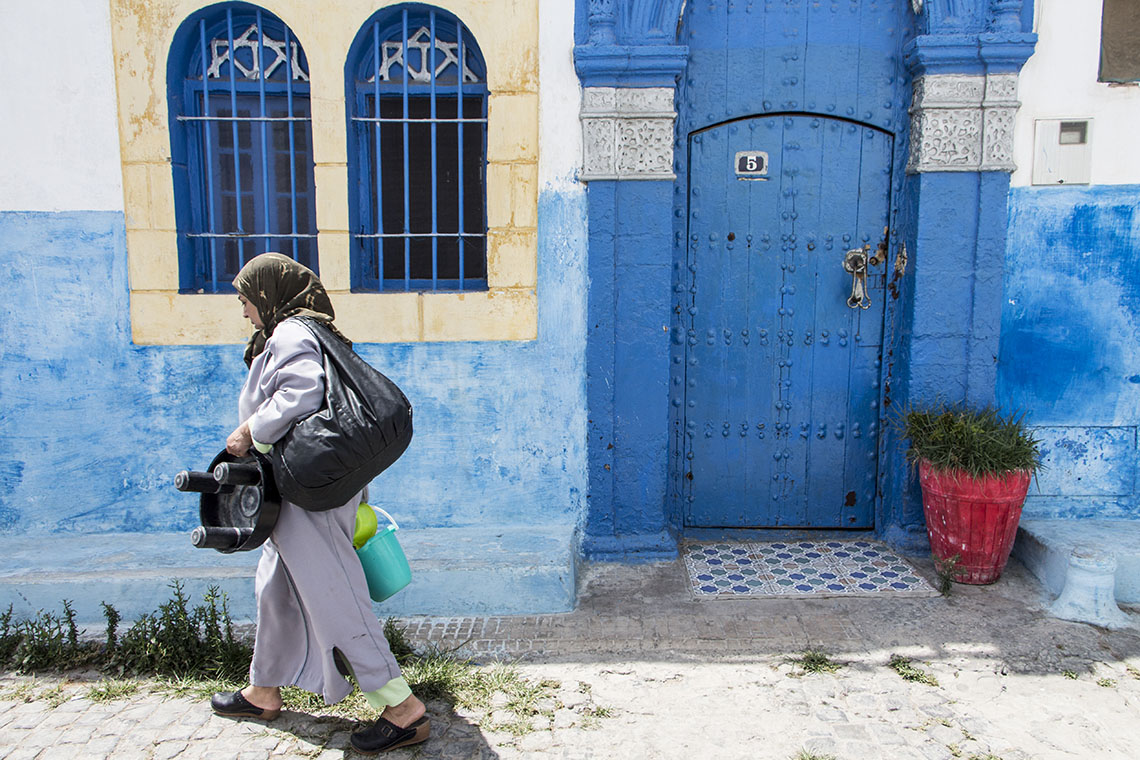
751, 164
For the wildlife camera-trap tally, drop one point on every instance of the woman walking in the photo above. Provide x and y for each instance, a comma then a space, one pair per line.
314, 617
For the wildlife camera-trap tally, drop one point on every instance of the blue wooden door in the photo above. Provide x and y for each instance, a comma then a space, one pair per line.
781, 374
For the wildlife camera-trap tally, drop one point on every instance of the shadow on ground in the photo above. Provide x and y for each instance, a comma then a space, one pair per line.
646, 612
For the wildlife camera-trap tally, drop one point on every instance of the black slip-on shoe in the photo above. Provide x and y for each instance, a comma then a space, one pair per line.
234, 705
384, 735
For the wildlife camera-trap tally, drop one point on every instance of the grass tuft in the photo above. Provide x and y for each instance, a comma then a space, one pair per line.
815, 661
112, 689
398, 641
947, 571
909, 672
593, 715
32, 691
192, 652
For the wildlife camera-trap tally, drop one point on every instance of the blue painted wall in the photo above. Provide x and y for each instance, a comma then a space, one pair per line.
627, 357
93, 428
957, 259
1070, 343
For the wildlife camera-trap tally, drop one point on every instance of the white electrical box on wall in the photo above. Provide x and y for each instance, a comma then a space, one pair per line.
1062, 152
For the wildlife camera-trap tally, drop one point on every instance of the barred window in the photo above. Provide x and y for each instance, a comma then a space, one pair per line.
241, 144
417, 107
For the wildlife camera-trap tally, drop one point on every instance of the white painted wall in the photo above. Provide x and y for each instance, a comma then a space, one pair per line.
59, 140
1059, 82
559, 129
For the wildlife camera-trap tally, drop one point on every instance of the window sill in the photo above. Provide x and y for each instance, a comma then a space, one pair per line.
174, 319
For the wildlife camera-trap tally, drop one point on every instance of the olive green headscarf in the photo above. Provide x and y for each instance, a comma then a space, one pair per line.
281, 288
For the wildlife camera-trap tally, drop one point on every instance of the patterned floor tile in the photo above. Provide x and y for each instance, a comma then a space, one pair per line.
800, 569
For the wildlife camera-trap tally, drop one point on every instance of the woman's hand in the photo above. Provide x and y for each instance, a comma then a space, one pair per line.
240, 440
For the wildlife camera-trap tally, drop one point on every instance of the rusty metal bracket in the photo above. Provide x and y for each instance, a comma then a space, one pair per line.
900, 261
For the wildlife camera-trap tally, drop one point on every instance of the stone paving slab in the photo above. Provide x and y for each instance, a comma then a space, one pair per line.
646, 671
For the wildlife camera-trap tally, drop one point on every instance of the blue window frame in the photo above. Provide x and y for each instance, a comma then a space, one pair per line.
241, 144
416, 86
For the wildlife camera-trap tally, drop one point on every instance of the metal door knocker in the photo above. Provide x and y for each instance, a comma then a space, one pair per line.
855, 262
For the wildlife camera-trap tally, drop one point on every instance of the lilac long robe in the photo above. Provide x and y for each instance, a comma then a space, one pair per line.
311, 593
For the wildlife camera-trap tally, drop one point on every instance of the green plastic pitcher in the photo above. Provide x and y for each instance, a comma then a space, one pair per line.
385, 566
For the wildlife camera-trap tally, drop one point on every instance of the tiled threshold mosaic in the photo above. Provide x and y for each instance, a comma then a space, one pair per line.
794, 569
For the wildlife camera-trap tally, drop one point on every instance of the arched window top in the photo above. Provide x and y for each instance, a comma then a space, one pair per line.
241, 144
239, 42
416, 85
437, 46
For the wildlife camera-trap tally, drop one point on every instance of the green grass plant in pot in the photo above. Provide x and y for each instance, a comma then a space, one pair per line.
974, 466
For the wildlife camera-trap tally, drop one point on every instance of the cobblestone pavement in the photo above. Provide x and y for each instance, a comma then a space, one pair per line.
645, 671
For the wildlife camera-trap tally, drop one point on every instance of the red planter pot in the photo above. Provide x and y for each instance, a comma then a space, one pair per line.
973, 518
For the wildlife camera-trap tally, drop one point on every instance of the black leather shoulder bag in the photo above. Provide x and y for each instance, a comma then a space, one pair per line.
363, 426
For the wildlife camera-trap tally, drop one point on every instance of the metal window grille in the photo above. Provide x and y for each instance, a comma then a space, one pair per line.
247, 145
418, 130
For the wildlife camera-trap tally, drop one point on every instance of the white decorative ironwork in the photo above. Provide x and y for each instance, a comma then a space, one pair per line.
627, 133
220, 50
963, 122
392, 54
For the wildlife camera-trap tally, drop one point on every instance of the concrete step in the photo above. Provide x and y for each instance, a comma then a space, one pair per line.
1044, 547
455, 571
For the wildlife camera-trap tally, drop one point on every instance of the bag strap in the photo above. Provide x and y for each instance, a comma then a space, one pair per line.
320, 332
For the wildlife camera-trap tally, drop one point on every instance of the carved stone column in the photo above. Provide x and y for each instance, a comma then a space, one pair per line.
628, 65
963, 122
627, 133
601, 16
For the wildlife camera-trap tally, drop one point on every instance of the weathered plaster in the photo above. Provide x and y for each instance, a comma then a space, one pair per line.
1070, 343
95, 426
1070, 349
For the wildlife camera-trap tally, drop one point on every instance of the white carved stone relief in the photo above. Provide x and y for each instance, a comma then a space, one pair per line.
951, 137
599, 99
950, 90
999, 138
598, 143
627, 133
644, 147
963, 122
1001, 88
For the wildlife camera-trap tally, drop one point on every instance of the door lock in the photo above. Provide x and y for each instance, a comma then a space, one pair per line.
855, 262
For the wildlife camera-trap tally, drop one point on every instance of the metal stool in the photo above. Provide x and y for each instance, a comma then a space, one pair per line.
239, 503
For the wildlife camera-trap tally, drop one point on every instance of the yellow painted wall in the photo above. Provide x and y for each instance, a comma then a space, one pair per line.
507, 33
